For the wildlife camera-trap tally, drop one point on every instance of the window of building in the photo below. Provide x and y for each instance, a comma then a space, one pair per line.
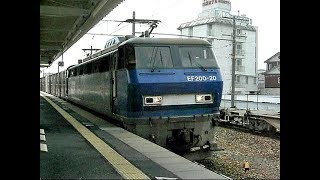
209, 30
254, 80
239, 46
278, 80
217, 13
190, 31
239, 31
247, 79
239, 62
238, 79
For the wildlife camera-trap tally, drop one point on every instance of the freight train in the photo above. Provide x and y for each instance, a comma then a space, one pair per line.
166, 90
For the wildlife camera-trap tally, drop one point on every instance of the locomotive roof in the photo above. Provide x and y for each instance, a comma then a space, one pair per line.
171, 41
143, 40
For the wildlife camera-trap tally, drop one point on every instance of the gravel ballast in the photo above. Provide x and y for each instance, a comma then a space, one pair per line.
262, 153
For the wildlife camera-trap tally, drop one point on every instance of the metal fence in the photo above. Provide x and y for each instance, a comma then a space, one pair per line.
252, 102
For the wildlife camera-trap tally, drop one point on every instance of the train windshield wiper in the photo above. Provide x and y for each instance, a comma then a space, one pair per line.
154, 60
200, 66
197, 63
190, 58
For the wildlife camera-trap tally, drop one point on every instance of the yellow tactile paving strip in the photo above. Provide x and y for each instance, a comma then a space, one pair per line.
121, 165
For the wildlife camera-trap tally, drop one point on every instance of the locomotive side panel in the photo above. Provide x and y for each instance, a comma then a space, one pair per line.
89, 84
63, 84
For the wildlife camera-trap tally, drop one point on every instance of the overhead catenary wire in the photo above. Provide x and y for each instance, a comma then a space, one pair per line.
108, 34
104, 34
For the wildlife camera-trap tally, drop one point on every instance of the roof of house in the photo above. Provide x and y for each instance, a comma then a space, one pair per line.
208, 20
273, 59
274, 70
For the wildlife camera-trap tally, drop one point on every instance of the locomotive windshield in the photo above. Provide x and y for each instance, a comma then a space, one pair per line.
161, 57
197, 57
153, 57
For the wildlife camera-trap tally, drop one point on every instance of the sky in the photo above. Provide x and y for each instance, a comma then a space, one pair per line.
265, 14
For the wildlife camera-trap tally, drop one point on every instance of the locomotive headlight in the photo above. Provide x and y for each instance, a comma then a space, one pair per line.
204, 98
153, 100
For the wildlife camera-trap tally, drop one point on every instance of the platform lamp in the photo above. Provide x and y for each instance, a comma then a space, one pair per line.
60, 63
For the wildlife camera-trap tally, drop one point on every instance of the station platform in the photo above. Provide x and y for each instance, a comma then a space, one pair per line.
76, 144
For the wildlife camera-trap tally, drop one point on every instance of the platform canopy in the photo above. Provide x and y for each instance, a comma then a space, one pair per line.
64, 22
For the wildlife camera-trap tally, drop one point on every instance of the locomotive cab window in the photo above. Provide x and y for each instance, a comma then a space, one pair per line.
126, 57
195, 57
75, 72
103, 64
71, 73
95, 67
131, 62
121, 58
152, 57
87, 68
80, 70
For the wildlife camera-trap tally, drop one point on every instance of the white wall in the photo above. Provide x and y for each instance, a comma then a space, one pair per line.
250, 60
223, 51
271, 91
200, 30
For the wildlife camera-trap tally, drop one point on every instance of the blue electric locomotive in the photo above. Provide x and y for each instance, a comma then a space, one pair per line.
167, 90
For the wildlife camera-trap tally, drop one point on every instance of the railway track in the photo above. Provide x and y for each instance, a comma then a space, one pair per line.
271, 134
264, 123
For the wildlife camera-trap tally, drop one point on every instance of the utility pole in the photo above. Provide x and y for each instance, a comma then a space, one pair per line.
133, 23
91, 49
233, 75
233, 59
152, 22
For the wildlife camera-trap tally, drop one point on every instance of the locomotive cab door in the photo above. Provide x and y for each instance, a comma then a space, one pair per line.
113, 82
66, 83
